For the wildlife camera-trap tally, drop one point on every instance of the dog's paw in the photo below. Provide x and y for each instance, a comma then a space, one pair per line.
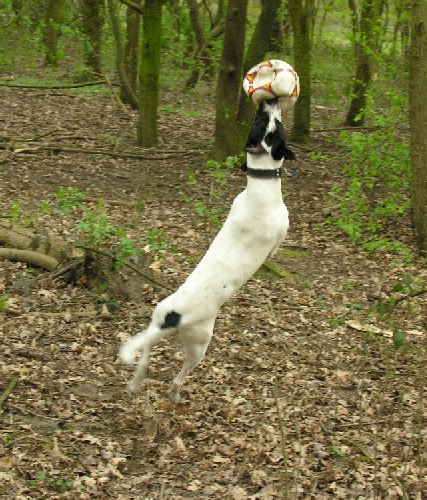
132, 387
173, 395
127, 353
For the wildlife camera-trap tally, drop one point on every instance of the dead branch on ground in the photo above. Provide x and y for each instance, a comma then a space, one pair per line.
150, 154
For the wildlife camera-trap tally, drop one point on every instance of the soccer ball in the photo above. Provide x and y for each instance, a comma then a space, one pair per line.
270, 79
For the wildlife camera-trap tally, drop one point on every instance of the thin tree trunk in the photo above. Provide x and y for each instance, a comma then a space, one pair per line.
93, 21
120, 57
147, 135
364, 47
418, 119
302, 19
227, 141
52, 31
203, 42
132, 46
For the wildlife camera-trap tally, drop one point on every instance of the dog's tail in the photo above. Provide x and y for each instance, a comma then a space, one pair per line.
129, 348
143, 341
164, 322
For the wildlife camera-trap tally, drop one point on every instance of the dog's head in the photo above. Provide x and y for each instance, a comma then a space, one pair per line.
267, 135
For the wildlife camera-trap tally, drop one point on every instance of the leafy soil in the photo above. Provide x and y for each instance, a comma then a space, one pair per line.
302, 393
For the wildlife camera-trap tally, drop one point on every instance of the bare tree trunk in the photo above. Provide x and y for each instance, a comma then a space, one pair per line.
364, 47
149, 71
302, 19
203, 42
132, 46
120, 57
52, 31
418, 119
93, 21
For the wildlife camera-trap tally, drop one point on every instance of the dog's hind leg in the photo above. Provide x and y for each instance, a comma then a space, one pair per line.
195, 341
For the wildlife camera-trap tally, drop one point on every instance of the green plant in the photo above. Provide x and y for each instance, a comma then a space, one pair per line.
45, 205
407, 287
69, 198
210, 213
220, 171
16, 214
57, 484
3, 302
125, 247
157, 241
95, 226
98, 231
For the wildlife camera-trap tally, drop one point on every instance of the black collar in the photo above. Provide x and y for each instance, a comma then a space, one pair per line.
265, 174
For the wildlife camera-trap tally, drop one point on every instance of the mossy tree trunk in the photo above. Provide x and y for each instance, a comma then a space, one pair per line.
364, 48
132, 46
302, 14
418, 119
126, 88
52, 31
149, 71
93, 12
229, 84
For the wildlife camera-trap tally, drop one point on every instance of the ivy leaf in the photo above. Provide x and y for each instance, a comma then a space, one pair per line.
407, 279
399, 339
338, 451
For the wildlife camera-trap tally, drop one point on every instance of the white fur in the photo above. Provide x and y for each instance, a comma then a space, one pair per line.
254, 229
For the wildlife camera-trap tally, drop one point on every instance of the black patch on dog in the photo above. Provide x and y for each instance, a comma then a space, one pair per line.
172, 320
275, 139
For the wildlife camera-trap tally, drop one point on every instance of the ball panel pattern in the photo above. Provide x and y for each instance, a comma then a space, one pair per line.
270, 79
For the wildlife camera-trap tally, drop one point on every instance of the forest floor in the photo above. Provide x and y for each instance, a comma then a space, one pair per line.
302, 393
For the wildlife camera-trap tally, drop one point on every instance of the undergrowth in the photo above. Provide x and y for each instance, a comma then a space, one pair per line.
377, 191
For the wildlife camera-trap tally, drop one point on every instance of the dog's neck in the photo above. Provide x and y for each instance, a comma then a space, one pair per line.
264, 192
263, 164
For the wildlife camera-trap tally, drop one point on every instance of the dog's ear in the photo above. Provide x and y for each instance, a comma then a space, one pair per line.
278, 144
257, 131
289, 155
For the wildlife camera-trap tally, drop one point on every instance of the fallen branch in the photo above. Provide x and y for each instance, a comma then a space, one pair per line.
7, 392
66, 86
116, 98
148, 156
68, 316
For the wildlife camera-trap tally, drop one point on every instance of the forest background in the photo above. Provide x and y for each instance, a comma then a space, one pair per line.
161, 81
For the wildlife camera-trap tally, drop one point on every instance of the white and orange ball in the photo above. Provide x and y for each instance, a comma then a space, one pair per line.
270, 79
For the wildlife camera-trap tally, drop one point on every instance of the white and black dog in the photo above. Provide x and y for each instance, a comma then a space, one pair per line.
255, 227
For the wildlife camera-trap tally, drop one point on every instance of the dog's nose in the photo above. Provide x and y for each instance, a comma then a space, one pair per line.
255, 150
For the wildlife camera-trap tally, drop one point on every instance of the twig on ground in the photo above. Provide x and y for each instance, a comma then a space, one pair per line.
282, 435
399, 484
7, 392
32, 139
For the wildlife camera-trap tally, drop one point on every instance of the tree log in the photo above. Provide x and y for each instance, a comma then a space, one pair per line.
39, 242
33, 258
